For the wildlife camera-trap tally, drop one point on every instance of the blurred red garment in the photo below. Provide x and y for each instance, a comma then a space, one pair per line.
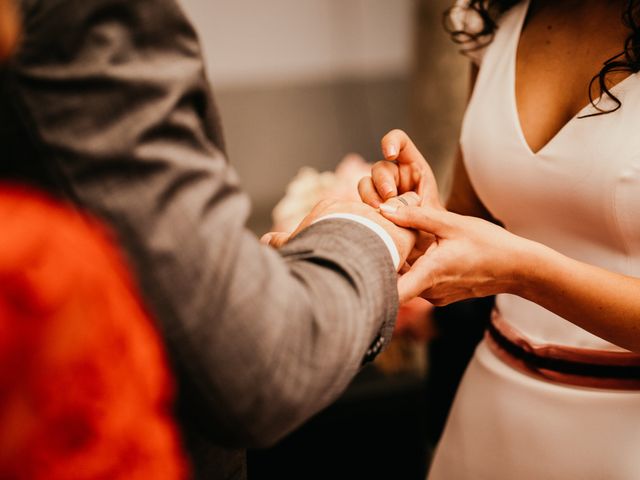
85, 388
415, 321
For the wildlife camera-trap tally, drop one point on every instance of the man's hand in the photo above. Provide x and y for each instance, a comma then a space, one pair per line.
403, 170
403, 238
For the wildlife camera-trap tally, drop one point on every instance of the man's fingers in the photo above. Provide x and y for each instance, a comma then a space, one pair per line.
408, 180
275, 239
266, 238
279, 239
409, 287
424, 241
415, 281
385, 176
368, 192
409, 199
397, 146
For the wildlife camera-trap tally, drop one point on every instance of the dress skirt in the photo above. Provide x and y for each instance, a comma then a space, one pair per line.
508, 425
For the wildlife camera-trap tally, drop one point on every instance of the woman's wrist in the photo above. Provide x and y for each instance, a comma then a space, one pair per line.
532, 263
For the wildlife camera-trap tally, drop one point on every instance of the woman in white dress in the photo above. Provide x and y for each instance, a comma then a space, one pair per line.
553, 392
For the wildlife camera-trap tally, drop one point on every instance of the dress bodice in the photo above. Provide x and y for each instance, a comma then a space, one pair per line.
577, 195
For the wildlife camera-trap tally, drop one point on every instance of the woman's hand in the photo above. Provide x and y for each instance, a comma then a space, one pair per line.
456, 257
469, 257
403, 170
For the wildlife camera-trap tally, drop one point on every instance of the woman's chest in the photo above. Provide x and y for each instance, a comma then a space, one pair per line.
581, 193
559, 49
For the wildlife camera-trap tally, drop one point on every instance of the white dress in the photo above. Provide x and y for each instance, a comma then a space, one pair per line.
580, 195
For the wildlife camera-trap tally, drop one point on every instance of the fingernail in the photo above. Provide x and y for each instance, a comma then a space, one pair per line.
266, 238
386, 208
390, 151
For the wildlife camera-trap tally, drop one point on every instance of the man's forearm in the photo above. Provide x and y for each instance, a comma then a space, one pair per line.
113, 96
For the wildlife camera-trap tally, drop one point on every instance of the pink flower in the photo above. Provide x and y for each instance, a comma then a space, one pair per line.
310, 186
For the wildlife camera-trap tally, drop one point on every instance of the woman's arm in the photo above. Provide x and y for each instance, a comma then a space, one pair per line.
604, 303
475, 258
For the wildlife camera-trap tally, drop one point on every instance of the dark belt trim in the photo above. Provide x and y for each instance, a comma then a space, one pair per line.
621, 372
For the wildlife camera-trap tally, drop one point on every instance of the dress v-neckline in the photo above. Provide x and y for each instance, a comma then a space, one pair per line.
514, 97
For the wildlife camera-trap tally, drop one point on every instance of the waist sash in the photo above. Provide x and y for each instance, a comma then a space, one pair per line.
563, 364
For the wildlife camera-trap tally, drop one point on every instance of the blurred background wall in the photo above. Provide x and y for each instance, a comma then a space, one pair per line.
304, 82
438, 87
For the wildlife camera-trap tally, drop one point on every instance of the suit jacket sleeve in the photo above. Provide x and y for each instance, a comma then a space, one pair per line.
113, 95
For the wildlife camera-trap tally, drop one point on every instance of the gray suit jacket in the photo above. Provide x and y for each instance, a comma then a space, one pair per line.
106, 104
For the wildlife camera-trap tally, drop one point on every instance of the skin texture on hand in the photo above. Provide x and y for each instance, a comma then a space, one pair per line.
455, 257
403, 238
403, 170
469, 258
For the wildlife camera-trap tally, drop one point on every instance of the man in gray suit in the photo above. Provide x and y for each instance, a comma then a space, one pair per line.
105, 104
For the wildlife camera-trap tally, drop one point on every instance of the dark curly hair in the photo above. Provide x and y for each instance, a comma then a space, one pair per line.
488, 11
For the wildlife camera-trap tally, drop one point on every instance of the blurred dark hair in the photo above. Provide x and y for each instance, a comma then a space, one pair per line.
488, 12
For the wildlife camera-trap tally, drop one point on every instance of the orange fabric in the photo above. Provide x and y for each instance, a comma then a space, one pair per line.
85, 391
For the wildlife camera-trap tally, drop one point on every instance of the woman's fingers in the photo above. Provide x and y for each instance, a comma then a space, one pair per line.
433, 223
425, 219
368, 192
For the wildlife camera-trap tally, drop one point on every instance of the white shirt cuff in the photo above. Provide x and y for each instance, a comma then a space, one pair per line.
373, 226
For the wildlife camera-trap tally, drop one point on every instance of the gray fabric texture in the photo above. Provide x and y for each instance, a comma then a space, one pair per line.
107, 105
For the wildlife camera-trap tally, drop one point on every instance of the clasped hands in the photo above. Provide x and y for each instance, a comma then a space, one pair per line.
445, 257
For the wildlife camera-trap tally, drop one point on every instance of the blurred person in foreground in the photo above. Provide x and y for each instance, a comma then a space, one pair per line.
105, 103
85, 387
542, 214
